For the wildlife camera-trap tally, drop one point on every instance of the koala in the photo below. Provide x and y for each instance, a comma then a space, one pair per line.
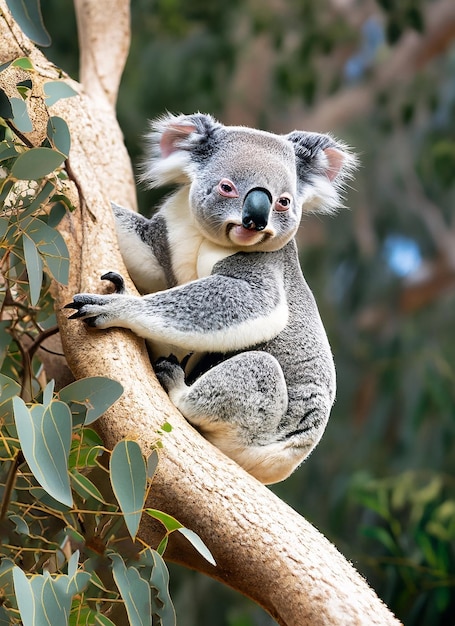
236, 335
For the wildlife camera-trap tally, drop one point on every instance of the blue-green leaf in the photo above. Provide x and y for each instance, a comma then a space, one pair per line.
21, 118
27, 13
24, 597
6, 575
48, 393
55, 90
21, 525
7, 148
59, 135
51, 246
45, 436
37, 162
135, 592
40, 200
84, 487
72, 563
152, 463
96, 393
129, 482
34, 267
161, 600
9, 387
198, 544
56, 214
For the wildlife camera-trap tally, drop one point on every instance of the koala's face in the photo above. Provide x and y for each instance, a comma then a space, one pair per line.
247, 188
245, 196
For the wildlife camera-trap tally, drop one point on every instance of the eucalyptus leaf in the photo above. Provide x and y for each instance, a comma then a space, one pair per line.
51, 246
4, 226
161, 600
25, 63
9, 387
36, 163
6, 110
198, 544
152, 463
40, 200
74, 584
4, 66
96, 393
6, 575
21, 525
21, 118
102, 620
45, 436
55, 90
27, 13
56, 214
6, 618
34, 267
129, 482
5, 342
135, 592
59, 135
5, 188
169, 522
24, 597
48, 393
72, 563
84, 486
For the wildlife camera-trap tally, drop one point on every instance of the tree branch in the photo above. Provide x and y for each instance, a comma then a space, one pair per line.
262, 547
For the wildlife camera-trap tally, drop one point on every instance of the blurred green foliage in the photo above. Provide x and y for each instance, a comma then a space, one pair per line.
380, 483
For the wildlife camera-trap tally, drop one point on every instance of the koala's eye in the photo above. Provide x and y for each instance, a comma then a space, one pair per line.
283, 203
227, 188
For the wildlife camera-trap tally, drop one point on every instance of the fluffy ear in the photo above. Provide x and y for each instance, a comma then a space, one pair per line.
323, 165
175, 145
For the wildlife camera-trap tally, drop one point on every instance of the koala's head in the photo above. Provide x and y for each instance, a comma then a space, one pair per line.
247, 188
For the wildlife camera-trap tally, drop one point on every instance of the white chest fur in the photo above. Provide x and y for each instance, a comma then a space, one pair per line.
193, 256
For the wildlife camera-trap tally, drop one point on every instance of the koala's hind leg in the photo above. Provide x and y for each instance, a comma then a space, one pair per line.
237, 405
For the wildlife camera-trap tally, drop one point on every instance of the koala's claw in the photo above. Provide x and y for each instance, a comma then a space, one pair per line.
116, 279
91, 308
78, 303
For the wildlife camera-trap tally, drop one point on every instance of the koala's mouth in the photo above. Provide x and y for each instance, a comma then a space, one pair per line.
242, 236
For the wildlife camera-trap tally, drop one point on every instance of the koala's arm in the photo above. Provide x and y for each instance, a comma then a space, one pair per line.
143, 245
241, 304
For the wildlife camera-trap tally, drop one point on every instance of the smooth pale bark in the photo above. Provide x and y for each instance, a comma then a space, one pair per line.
262, 547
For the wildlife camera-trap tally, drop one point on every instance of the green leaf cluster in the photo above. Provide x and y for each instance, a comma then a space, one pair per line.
70, 509
410, 534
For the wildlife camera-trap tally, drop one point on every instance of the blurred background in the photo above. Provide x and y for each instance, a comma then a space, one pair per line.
381, 76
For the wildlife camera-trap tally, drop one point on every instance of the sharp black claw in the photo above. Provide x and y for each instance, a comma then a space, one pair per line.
116, 279
75, 316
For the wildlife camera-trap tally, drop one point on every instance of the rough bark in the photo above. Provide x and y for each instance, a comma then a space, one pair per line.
262, 547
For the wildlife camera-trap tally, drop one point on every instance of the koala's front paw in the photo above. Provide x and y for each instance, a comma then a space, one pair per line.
97, 310
169, 372
93, 309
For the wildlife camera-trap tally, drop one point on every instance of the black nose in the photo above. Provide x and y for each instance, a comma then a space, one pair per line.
256, 209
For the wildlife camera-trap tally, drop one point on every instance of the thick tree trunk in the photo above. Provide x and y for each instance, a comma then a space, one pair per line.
262, 547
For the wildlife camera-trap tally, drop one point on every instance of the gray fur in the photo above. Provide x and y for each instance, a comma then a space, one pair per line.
261, 381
